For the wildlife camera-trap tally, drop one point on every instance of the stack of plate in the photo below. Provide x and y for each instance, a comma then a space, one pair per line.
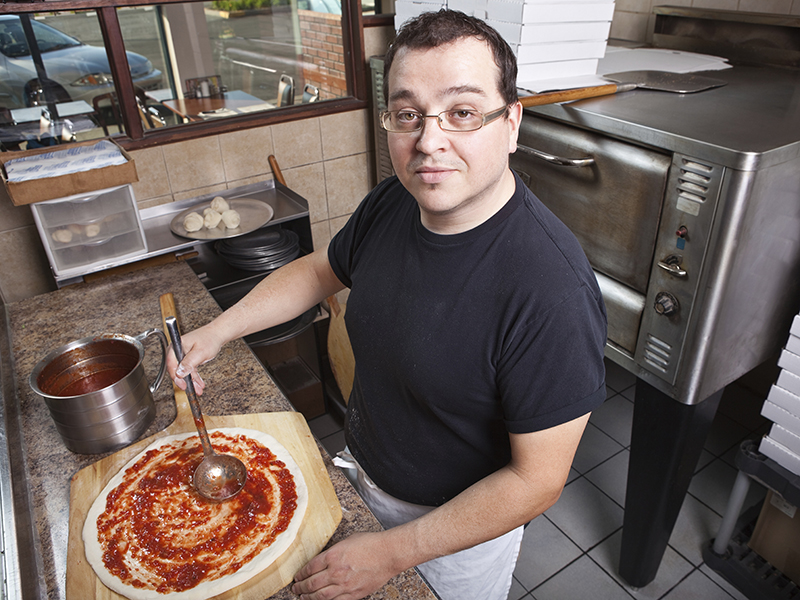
262, 250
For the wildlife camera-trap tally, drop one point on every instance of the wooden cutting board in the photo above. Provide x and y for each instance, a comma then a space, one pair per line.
290, 429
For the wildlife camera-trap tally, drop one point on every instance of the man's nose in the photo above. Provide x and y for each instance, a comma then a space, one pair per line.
431, 135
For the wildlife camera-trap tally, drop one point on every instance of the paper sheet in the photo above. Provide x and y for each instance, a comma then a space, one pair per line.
63, 162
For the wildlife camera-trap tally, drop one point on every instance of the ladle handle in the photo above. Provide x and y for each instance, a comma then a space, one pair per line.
175, 337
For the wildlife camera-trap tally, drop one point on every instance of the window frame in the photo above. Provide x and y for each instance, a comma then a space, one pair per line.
135, 136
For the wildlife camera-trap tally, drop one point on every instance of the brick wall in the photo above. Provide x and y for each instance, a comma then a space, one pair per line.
323, 53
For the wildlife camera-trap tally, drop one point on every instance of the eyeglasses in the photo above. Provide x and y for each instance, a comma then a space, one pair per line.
407, 121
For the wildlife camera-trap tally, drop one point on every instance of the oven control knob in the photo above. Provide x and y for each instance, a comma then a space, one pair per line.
666, 304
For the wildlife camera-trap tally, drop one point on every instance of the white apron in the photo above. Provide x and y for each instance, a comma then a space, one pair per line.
482, 572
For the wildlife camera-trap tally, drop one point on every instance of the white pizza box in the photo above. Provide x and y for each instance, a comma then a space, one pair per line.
789, 361
781, 416
567, 12
408, 9
793, 344
785, 438
785, 399
795, 328
474, 8
535, 53
780, 454
549, 70
789, 381
538, 33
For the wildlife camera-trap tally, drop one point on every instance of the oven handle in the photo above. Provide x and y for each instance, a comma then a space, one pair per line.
557, 160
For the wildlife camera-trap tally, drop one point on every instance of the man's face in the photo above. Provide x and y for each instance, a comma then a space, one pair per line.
459, 179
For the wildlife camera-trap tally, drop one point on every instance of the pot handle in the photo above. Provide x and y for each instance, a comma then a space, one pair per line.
163, 341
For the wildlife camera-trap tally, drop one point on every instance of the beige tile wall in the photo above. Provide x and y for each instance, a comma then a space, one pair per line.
634, 19
326, 160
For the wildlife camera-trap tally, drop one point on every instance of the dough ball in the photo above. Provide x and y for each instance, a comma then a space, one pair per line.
63, 236
75, 229
92, 229
212, 218
231, 219
219, 204
193, 222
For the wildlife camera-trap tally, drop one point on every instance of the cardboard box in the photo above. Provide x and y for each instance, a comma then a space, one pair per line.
780, 454
789, 361
551, 70
785, 399
539, 33
793, 344
776, 537
795, 329
779, 415
50, 188
536, 53
526, 12
789, 381
785, 438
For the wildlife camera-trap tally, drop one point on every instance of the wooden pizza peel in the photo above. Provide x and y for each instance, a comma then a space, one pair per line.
290, 428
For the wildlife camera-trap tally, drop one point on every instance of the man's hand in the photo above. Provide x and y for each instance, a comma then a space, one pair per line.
352, 569
199, 346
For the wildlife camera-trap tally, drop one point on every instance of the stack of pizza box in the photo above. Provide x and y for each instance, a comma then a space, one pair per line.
782, 407
552, 39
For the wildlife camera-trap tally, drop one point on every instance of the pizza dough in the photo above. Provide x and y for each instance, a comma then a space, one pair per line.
211, 218
171, 539
193, 222
231, 218
219, 204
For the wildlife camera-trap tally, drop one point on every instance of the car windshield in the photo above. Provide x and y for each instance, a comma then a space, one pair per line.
14, 45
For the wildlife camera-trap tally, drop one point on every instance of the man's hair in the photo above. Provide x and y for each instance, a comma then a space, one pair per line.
434, 29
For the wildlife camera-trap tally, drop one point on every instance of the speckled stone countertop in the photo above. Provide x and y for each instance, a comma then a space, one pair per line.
129, 304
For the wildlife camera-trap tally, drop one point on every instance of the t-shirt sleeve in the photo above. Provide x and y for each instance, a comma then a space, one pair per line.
539, 389
345, 243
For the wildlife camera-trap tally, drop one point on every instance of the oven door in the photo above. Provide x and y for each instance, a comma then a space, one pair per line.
610, 194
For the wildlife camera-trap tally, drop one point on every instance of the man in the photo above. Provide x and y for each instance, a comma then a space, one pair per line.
476, 322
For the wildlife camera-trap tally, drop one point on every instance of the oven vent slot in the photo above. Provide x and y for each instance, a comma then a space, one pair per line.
657, 353
694, 180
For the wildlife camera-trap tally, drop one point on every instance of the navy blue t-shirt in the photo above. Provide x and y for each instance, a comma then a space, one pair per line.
461, 339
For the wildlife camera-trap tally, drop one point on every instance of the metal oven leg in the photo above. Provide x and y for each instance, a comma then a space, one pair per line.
666, 441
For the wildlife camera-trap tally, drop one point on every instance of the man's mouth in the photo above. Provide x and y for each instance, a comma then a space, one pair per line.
433, 175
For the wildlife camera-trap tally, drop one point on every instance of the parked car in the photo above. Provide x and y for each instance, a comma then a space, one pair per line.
75, 71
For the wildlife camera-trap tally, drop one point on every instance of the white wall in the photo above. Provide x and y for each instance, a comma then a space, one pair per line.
633, 19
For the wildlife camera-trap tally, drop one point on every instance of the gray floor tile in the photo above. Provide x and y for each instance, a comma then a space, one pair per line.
725, 434
595, 447
617, 378
517, 591
585, 514
697, 586
713, 486
697, 524
545, 551
672, 570
612, 476
334, 443
722, 582
323, 426
614, 418
581, 579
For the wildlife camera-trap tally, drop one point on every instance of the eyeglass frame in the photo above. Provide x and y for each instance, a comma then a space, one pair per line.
486, 118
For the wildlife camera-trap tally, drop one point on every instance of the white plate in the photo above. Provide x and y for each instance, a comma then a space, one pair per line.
253, 213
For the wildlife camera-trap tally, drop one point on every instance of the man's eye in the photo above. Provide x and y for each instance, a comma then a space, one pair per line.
462, 115
407, 116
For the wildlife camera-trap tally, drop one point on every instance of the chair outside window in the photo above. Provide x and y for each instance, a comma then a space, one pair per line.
310, 93
285, 91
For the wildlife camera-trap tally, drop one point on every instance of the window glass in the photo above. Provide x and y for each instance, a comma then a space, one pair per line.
233, 57
58, 101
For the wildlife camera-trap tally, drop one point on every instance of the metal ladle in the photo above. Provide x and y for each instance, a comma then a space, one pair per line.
219, 476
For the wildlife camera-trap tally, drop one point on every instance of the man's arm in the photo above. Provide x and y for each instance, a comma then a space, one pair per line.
278, 298
504, 500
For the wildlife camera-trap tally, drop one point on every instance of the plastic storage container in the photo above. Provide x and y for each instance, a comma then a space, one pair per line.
88, 232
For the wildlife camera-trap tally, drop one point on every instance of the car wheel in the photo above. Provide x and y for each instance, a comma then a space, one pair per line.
37, 94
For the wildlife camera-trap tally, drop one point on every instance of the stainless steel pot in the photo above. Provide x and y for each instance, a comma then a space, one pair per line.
97, 390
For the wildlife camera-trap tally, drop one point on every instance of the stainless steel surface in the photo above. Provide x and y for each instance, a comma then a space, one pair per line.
751, 123
700, 266
561, 161
106, 419
253, 213
218, 477
679, 83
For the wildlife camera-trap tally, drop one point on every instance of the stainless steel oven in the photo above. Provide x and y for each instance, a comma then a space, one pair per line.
688, 208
